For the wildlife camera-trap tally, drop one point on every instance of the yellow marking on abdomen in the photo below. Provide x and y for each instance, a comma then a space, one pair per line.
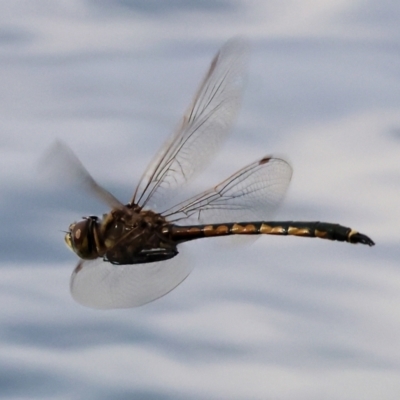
243, 229
191, 231
321, 234
208, 230
211, 230
298, 231
276, 230
352, 233
222, 230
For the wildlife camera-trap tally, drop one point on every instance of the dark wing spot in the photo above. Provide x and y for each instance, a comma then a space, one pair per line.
78, 267
265, 160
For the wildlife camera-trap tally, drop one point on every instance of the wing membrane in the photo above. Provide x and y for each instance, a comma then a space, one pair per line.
203, 129
253, 193
102, 285
62, 163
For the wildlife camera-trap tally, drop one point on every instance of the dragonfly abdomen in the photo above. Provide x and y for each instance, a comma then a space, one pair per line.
321, 230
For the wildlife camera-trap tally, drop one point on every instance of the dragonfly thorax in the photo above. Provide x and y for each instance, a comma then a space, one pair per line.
123, 236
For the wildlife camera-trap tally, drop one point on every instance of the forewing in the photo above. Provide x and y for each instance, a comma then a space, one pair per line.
253, 193
60, 162
203, 129
102, 285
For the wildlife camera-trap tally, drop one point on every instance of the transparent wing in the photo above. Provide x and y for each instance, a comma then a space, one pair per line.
102, 285
60, 162
204, 127
252, 194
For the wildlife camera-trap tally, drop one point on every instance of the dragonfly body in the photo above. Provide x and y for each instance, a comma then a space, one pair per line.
124, 236
148, 237
323, 230
130, 256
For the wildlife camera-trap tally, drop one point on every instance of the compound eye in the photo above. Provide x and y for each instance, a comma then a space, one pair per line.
80, 239
79, 233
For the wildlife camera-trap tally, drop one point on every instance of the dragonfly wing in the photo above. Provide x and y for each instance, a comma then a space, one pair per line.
203, 129
60, 162
102, 285
253, 193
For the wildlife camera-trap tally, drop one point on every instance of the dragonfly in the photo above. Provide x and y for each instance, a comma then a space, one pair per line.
130, 255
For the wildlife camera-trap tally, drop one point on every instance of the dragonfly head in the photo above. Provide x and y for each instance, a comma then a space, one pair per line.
80, 238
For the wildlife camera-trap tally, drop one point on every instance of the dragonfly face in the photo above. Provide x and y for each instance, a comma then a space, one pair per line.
128, 257
81, 238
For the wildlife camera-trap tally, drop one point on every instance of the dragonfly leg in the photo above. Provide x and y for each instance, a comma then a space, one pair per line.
145, 256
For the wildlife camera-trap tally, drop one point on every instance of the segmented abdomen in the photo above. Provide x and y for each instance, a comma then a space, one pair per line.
321, 230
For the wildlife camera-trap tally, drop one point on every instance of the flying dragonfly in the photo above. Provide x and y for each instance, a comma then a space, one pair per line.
129, 257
